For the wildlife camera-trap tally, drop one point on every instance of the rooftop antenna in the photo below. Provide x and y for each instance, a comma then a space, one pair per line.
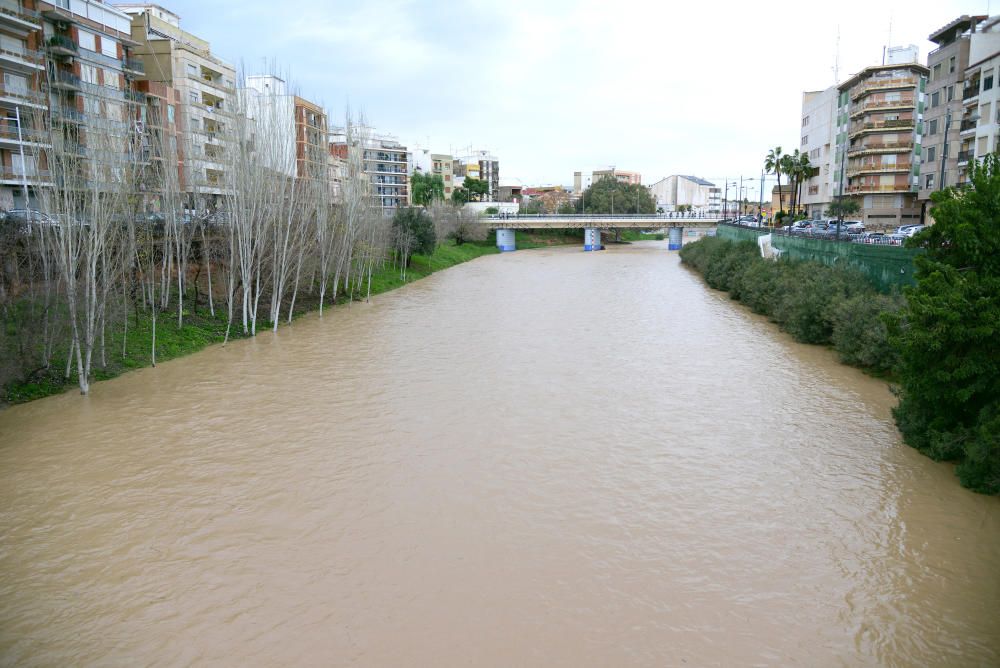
836, 59
888, 44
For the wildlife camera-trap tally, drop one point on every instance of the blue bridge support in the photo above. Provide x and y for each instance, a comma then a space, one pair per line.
592, 239
505, 240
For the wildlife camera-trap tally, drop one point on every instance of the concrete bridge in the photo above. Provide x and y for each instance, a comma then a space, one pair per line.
593, 224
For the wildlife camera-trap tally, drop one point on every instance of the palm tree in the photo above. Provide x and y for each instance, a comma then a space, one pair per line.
788, 167
791, 165
773, 164
804, 172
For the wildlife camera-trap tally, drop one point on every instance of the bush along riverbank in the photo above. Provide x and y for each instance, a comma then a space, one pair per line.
813, 302
939, 341
129, 346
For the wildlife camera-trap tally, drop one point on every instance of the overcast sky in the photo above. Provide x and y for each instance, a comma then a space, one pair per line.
553, 86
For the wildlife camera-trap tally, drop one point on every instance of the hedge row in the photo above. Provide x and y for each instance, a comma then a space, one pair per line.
811, 301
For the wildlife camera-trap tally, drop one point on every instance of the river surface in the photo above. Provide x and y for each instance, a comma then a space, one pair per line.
541, 458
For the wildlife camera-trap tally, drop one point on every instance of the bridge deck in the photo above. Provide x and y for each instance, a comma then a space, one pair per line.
537, 222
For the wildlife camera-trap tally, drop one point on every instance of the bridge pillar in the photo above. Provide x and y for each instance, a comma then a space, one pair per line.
675, 237
505, 240
592, 239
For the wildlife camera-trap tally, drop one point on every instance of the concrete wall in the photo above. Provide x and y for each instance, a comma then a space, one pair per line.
888, 267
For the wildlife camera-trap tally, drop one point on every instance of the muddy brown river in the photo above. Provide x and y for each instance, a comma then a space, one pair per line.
544, 458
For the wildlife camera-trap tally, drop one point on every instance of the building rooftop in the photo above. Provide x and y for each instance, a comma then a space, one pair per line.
699, 181
962, 23
869, 71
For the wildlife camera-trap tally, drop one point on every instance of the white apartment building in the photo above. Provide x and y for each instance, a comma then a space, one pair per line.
980, 123
206, 85
819, 142
271, 109
681, 190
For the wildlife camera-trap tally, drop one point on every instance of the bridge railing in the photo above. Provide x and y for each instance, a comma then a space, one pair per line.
603, 216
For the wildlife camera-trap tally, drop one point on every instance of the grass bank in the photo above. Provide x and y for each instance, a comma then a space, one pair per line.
813, 302
201, 329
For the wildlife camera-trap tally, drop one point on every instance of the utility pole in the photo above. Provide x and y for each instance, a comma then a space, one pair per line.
760, 205
739, 195
944, 148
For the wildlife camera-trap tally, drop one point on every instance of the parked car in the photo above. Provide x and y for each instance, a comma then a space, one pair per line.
872, 238
912, 230
30, 215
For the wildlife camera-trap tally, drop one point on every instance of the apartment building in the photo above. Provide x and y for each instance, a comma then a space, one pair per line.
311, 131
943, 113
443, 166
681, 190
162, 142
67, 92
481, 165
270, 111
24, 104
206, 86
880, 123
386, 162
819, 141
980, 119
623, 176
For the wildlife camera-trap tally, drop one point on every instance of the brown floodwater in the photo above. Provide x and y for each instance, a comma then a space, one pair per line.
542, 458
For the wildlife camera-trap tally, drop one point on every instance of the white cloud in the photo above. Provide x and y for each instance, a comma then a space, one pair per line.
703, 88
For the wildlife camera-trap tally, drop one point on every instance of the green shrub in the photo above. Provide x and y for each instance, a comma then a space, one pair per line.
860, 335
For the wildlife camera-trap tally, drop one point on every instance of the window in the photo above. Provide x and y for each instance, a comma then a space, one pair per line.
109, 47
192, 69
170, 114
951, 93
805, 139
193, 95
88, 40
936, 72
951, 65
88, 73
805, 121
15, 83
11, 45
23, 166
931, 150
932, 127
988, 82
111, 79
935, 98
929, 181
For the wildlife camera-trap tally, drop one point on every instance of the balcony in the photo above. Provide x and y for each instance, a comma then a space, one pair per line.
881, 147
9, 136
877, 105
19, 96
22, 60
67, 115
879, 168
964, 157
18, 19
214, 82
875, 85
970, 91
134, 66
60, 45
876, 126
66, 81
34, 176
860, 189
